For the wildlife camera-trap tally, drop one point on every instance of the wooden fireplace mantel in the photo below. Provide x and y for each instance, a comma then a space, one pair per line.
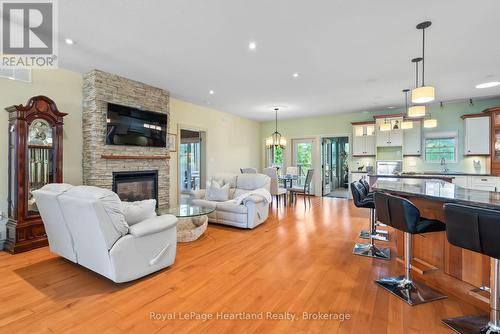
136, 157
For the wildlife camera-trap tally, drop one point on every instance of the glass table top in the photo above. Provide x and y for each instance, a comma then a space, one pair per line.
186, 210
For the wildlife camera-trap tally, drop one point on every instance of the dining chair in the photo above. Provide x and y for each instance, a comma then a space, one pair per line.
275, 190
292, 171
248, 170
305, 189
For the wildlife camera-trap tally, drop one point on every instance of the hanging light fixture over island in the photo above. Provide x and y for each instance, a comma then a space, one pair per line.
406, 124
416, 111
423, 94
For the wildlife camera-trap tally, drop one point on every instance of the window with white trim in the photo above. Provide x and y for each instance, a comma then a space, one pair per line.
275, 156
441, 145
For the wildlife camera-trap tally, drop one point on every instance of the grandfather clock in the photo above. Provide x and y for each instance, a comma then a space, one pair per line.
35, 159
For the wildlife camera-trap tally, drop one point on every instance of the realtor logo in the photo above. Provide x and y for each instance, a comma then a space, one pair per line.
29, 36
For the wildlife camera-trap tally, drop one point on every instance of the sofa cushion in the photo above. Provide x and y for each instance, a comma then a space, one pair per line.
138, 211
231, 207
239, 192
216, 192
204, 203
226, 178
253, 181
109, 200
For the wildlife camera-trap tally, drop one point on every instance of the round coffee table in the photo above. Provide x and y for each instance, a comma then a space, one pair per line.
193, 220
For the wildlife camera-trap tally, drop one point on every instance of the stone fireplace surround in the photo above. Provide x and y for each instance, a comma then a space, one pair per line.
101, 160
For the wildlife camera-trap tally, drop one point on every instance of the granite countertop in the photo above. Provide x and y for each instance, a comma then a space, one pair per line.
414, 176
448, 174
427, 174
439, 190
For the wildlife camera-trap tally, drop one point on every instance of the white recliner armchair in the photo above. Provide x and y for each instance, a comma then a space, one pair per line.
87, 226
253, 211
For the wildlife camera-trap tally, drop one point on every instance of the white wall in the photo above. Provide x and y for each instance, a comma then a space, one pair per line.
65, 88
232, 142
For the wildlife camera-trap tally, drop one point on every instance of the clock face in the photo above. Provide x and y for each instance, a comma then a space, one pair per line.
40, 133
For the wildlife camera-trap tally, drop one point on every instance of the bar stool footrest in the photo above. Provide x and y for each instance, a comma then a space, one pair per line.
414, 293
373, 251
365, 234
470, 324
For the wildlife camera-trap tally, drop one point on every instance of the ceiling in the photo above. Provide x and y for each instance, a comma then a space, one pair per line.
351, 55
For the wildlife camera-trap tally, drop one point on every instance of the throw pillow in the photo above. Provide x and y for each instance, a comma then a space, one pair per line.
217, 193
138, 211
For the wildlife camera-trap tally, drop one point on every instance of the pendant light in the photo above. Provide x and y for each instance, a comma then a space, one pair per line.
406, 123
430, 123
276, 139
416, 111
423, 94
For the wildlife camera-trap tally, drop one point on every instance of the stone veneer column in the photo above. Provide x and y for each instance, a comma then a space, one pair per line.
99, 88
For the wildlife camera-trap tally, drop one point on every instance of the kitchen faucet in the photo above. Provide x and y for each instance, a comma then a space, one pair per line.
444, 166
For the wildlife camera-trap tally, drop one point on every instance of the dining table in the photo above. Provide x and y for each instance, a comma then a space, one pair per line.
288, 179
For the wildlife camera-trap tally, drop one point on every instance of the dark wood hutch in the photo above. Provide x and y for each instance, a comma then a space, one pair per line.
495, 140
35, 159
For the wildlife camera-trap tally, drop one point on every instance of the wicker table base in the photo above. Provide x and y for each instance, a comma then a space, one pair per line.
191, 228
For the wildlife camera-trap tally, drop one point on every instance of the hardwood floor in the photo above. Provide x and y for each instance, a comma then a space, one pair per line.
298, 261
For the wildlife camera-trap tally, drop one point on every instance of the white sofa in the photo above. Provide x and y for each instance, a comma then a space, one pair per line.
87, 226
252, 212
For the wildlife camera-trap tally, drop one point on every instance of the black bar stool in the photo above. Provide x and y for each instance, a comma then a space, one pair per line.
381, 235
362, 201
477, 230
401, 214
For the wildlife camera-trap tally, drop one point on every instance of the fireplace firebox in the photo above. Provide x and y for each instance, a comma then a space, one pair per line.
136, 186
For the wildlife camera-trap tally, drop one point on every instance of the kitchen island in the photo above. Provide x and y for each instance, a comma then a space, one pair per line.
432, 252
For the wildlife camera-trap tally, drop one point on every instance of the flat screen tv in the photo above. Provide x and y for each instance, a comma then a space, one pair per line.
135, 127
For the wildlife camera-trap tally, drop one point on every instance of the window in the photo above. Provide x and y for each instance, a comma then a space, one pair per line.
439, 146
275, 156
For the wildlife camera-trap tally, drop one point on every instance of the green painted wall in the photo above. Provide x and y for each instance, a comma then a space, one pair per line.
448, 119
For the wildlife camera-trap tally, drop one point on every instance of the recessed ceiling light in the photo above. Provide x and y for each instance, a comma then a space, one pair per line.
252, 45
211, 92
69, 41
488, 84
12, 78
295, 75
391, 107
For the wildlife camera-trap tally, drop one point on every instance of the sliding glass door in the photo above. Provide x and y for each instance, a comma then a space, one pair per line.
190, 160
334, 161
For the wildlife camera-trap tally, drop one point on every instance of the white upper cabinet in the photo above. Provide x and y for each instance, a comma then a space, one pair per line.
477, 135
392, 137
363, 140
412, 139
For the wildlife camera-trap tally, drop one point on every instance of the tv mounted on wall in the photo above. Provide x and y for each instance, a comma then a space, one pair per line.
135, 127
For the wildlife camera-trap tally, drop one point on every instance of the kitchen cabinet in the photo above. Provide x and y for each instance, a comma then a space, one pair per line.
461, 181
477, 134
363, 139
412, 139
392, 137
487, 183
